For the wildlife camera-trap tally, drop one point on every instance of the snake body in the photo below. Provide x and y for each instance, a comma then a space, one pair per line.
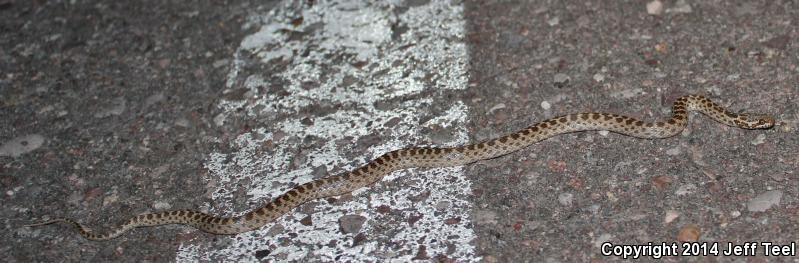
434, 157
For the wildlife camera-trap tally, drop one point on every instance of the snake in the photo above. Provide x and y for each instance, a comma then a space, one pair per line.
431, 157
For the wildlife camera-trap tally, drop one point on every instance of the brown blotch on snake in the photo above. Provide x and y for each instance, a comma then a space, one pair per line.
434, 157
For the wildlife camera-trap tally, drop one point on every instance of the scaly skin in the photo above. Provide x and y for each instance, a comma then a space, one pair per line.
435, 157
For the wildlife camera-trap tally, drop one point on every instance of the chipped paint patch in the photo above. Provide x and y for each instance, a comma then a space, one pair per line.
377, 67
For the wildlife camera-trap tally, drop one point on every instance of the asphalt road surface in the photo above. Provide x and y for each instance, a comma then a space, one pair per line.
110, 109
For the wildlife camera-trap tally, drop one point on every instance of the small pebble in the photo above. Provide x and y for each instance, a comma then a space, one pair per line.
565, 199
674, 151
219, 120
111, 198
62, 113
116, 107
777, 177
611, 197
661, 47
689, 233
545, 105
442, 205
21, 145
260, 254
153, 99
654, 7
599, 77
160, 205
760, 139
764, 201
697, 156
735, 214
554, 21
219, 63
662, 182
561, 80
485, 217
490, 259
788, 127
670, 216
497, 107
629, 93
307, 221
685, 189
681, 6
182, 122
351, 223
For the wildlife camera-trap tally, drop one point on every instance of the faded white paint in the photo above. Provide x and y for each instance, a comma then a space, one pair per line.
337, 35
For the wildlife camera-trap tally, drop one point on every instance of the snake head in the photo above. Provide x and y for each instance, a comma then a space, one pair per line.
754, 121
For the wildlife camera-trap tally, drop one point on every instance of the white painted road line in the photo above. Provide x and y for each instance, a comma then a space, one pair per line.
358, 54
